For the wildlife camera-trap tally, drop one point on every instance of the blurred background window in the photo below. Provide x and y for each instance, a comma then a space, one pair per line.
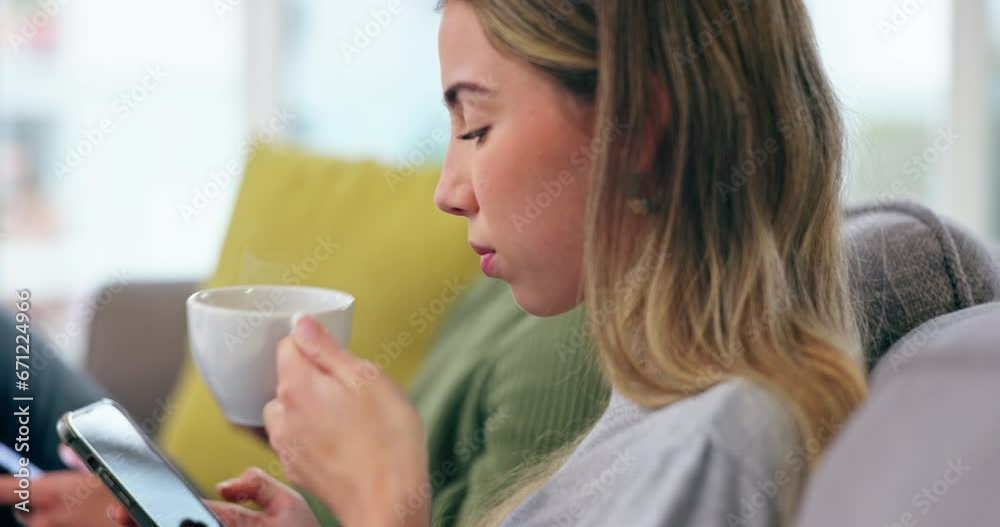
890, 64
117, 117
363, 77
113, 113
993, 137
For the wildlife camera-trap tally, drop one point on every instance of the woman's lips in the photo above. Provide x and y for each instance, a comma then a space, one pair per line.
487, 258
487, 262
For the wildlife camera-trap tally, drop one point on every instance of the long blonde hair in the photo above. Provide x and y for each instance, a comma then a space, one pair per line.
713, 246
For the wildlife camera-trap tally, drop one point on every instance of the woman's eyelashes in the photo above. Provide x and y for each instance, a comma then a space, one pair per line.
479, 135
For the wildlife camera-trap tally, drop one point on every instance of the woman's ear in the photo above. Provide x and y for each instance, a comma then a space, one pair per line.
659, 112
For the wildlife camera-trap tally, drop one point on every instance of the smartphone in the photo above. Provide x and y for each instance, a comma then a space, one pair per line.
127, 461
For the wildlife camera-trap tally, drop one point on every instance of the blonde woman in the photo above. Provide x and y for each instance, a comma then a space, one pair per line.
676, 166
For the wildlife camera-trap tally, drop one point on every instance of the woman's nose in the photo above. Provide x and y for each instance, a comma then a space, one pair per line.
454, 194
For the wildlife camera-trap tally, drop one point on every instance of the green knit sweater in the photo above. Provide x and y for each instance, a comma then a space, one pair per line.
500, 388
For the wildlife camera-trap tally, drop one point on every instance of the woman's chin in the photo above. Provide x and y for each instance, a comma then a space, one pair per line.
541, 302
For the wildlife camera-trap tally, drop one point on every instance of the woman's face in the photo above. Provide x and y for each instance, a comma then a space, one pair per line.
517, 165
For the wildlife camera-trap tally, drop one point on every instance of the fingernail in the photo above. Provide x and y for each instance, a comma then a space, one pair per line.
296, 317
224, 484
306, 327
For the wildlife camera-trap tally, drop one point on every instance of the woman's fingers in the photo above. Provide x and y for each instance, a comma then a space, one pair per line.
293, 368
236, 515
274, 414
251, 485
308, 354
70, 459
256, 486
231, 515
274, 420
319, 347
118, 514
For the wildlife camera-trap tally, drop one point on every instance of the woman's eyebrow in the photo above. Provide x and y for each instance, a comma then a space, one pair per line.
452, 100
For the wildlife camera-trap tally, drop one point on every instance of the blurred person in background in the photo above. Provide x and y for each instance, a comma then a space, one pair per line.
62, 497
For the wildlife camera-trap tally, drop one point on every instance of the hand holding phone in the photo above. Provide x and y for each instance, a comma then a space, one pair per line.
281, 506
115, 449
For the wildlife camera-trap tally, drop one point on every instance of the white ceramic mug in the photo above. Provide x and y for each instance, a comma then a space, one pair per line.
234, 333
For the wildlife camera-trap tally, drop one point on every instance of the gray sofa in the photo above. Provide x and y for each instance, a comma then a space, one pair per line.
923, 290
925, 448
137, 343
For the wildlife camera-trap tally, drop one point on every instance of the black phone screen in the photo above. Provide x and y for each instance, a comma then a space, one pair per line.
139, 475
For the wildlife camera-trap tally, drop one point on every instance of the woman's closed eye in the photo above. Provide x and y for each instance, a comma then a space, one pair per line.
479, 135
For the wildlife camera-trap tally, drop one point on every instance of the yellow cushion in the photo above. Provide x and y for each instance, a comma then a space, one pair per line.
355, 226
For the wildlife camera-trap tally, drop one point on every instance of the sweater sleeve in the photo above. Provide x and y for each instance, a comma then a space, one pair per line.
539, 396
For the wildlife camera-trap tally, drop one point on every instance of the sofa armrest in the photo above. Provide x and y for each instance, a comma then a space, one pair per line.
137, 345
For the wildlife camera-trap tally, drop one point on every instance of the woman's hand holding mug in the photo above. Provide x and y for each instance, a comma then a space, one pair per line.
346, 433
343, 431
